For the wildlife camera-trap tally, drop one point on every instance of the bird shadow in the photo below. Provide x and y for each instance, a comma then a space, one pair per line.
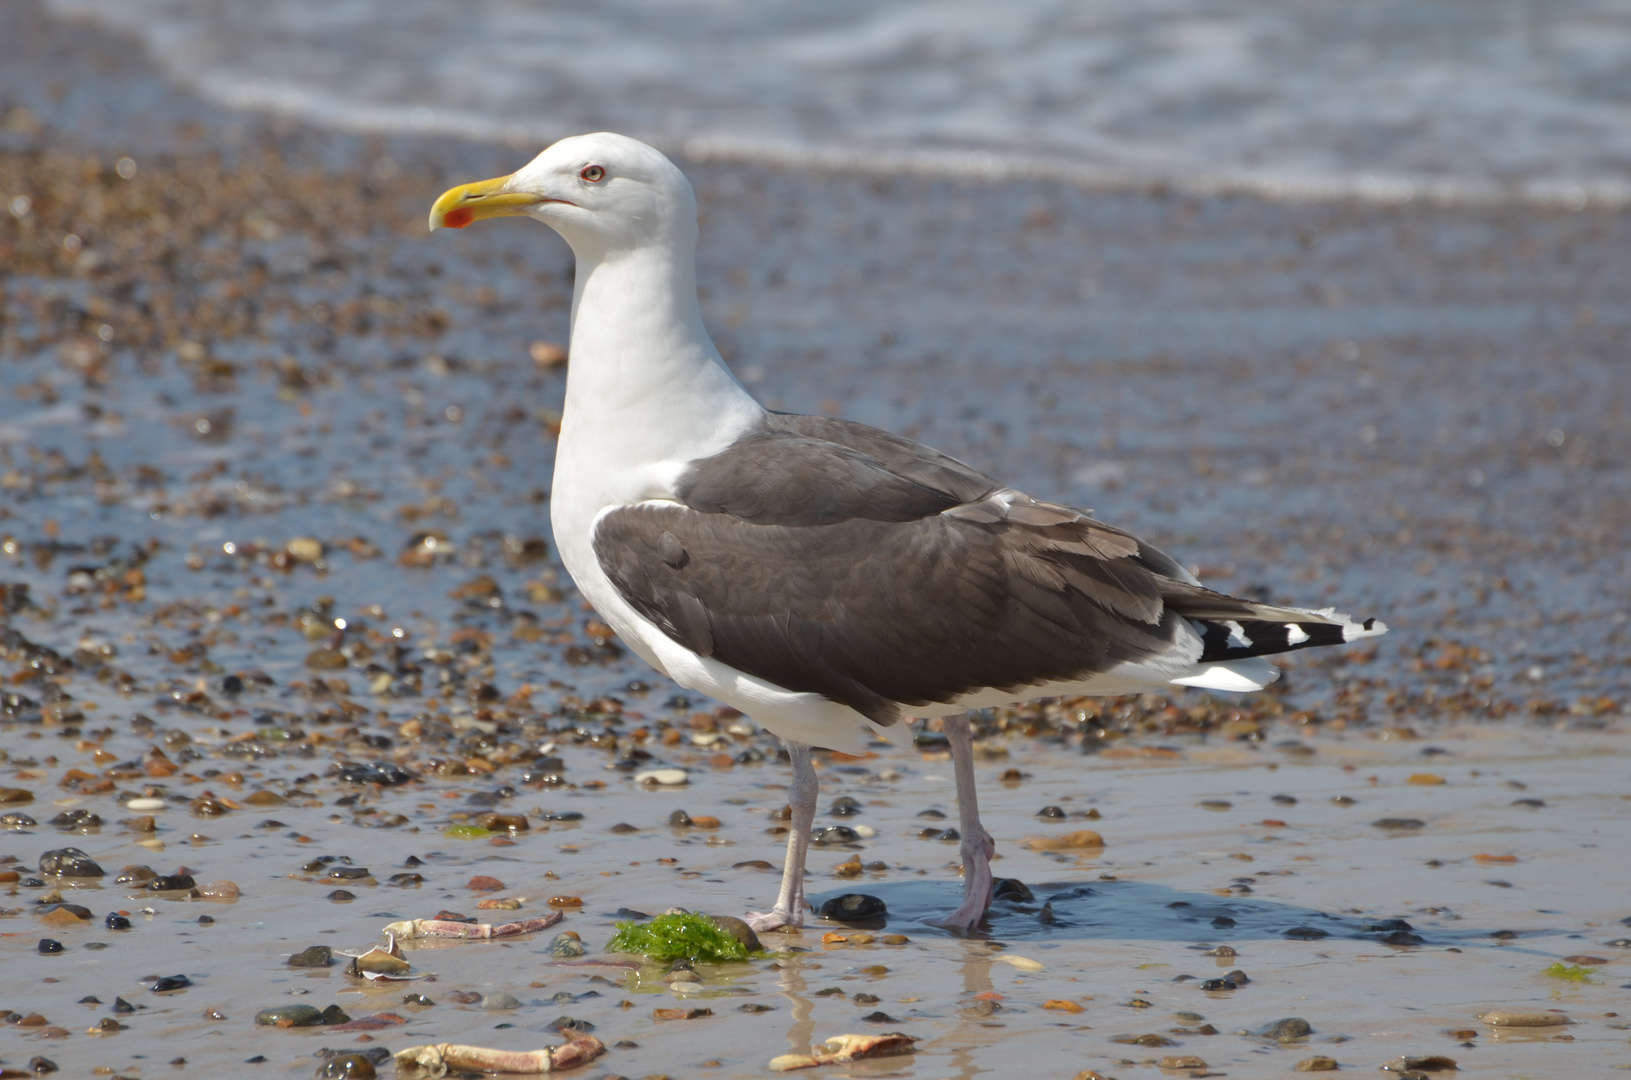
1143, 911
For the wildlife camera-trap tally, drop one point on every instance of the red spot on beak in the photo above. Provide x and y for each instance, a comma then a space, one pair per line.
457, 219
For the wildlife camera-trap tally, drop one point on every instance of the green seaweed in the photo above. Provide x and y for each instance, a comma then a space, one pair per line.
467, 832
1573, 974
682, 936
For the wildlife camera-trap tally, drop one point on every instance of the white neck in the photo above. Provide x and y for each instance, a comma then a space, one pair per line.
646, 390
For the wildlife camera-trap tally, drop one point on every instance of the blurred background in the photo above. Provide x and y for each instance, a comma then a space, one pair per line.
1386, 97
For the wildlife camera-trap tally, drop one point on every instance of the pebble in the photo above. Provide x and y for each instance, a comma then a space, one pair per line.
1023, 963
497, 822
347, 1067
499, 1001
661, 777
1186, 1061
1081, 838
341, 896
144, 805
170, 982
1504, 1018
739, 930
1317, 1064
1012, 890
50, 946
844, 806
483, 883
850, 867
218, 890
69, 862
1415, 1066
290, 1016
170, 883
115, 921
854, 908
17, 821
564, 902
312, 956
567, 945
1286, 1030
1399, 824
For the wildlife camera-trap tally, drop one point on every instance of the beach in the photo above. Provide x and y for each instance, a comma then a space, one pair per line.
274, 481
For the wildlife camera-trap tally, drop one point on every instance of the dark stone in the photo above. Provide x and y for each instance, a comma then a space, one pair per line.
135, 875
1223, 922
623, 827
844, 806
630, 913
1399, 824
405, 880
1531, 804
935, 815
571, 1023
1287, 1030
865, 999
40, 1066
50, 947
755, 1007
290, 1016
120, 1005
171, 982
1307, 933
1046, 916
312, 956
69, 862
1284, 800
1051, 813
170, 883
564, 815
679, 819
1012, 890
77, 819
854, 908
348, 873
951, 834
347, 1067
17, 821
418, 999
335, 1015
383, 773
879, 1017
206, 920
341, 896
1384, 926
835, 834
1402, 937
1503, 935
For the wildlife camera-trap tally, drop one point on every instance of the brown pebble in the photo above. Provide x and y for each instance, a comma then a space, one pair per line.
564, 902
681, 1014
704, 821
1187, 1061
1585, 961
502, 822
1317, 1064
483, 883
498, 903
850, 867
1081, 838
63, 916
218, 890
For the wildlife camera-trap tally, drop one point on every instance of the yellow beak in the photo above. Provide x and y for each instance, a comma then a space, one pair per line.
459, 206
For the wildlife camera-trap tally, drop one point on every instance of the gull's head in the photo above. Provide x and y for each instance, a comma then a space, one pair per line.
601, 192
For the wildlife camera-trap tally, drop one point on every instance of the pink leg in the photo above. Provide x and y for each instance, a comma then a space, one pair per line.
789, 909
977, 846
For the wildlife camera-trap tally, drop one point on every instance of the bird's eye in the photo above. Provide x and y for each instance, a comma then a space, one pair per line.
593, 173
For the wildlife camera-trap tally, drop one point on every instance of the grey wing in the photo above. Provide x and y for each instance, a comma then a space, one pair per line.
828, 557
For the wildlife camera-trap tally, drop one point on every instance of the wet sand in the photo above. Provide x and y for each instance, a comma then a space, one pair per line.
253, 397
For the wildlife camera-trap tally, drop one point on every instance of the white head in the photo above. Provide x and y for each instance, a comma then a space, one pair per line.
603, 193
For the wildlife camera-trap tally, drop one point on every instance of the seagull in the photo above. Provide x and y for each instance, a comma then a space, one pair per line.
828, 579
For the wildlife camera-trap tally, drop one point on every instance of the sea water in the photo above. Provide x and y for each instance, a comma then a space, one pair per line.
1389, 99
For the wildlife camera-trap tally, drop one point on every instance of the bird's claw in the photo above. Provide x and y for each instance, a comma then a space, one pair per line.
761, 921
